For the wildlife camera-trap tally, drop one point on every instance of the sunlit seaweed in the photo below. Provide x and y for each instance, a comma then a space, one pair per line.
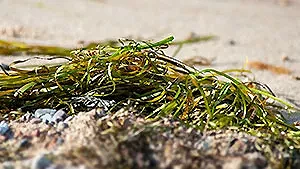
141, 74
16, 48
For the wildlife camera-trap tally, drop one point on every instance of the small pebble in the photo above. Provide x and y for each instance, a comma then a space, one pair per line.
47, 118
26, 117
35, 120
40, 112
81, 42
54, 166
232, 42
3, 127
8, 165
18, 133
59, 141
296, 77
68, 119
2, 138
60, 115
285, 58
40, 162
204, 145
4, 66
35, 133
100, 112
52, 143
24, 143
61, 126
255, 160
237, 146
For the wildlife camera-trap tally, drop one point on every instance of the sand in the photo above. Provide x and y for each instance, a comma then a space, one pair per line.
253, 30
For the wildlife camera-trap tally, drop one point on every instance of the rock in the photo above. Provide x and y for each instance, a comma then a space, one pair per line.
26, 117
35, 133
2, 138
52, 143
41, 112
60, 141
233, 163
24, 143
47, 118
35, 120
255, 160
4, 66
54, 166
60, 115
238, 146
8, 165
40, 162
50, 116
68, 119
61, 126
3, 127
18, 133
232, 42
204, 145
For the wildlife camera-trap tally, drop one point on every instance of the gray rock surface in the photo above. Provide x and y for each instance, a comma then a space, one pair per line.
3, 127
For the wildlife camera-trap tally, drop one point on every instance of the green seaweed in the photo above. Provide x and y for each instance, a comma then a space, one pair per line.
16, 48
142, 75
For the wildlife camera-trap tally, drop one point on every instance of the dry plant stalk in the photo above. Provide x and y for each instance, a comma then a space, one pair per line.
274, 69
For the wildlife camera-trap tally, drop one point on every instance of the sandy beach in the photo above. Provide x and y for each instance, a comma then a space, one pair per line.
247, 31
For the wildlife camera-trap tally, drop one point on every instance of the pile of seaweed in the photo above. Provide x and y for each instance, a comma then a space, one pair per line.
140, 75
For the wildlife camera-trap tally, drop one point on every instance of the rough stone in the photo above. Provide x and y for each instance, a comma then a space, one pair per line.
3, 127
60, 115
40, 162
41, 112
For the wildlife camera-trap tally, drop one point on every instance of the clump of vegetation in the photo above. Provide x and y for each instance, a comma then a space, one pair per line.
141, 75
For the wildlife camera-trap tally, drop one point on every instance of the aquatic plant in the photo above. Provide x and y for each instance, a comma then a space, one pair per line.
140, 75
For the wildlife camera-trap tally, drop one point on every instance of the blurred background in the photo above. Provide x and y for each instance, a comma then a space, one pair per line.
259, 31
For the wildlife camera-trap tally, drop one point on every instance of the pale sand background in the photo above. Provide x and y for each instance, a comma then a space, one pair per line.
263, 30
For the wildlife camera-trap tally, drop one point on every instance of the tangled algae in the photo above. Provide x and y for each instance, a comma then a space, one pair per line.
141, 75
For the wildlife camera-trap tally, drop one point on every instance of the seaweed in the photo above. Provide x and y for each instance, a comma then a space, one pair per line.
140, 75
17, 48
